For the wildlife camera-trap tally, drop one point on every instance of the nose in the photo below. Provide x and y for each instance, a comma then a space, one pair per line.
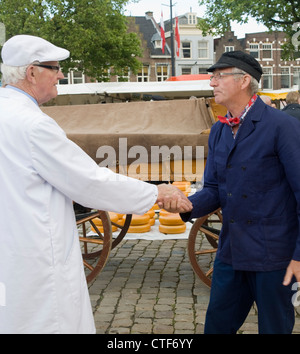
213, 82
60, 75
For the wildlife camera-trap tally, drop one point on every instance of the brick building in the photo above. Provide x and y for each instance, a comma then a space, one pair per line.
266, 47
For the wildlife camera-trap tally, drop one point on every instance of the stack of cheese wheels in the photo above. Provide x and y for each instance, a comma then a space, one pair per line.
114, 217
155, 207
152, 216
139, 223
184, 186
171, 223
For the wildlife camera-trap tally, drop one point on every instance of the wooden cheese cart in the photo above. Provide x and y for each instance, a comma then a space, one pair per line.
125, 126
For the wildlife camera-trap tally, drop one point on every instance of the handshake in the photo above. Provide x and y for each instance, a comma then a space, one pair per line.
173, 199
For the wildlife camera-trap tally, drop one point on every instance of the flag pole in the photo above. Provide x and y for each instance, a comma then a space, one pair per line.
172, 40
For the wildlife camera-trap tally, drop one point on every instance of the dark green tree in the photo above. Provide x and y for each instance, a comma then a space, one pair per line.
94, 31
282, 15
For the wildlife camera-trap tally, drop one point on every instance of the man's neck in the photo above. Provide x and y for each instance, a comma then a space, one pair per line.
236, 108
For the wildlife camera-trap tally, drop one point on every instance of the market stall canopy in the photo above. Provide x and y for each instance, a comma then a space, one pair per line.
126, 90
276, 94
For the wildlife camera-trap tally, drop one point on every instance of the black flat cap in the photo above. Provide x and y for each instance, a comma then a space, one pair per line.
241, 60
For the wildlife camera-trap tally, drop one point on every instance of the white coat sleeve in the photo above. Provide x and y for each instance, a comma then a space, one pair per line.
66, 167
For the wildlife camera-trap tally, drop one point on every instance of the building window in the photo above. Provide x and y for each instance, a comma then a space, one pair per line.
65, 80
296, 76
267, 51
254, 50
285, 77
77, 77
162, 72
267, 78
186, 50
192, 19
229, 48
202, 71
125, 76
157, 44
202, 50
186, 71
143, 74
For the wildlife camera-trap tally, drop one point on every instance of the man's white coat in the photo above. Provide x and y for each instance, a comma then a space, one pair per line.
42, 173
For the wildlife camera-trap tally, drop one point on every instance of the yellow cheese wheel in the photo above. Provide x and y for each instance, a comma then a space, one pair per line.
100, 228
138, 219
120, 222
186, 183
163, 212
172, 229
151, 213
139, 228
155, 207
171, 219
113, 217
152, 221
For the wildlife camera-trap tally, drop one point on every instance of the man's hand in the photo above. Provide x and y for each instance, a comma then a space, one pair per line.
292, 269
173, 199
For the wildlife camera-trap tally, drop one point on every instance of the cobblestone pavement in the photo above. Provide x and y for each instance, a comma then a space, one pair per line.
149, 287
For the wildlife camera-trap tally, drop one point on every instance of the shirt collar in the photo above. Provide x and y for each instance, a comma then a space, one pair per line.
25, 93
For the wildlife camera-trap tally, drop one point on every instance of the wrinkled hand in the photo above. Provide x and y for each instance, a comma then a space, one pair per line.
173, 199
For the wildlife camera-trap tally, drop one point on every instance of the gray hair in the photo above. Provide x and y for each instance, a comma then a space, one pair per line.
253, 87
13, 74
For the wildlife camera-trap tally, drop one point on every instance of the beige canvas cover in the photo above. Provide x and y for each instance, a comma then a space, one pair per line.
134, 130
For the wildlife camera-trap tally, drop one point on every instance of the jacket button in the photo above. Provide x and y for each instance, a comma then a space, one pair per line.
243, 168
231, 221
229, 166
229, 194
244, 196
249, 222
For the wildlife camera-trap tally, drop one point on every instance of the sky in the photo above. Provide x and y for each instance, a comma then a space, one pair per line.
180, 7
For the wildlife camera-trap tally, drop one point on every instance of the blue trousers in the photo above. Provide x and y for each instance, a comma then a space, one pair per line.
233, 294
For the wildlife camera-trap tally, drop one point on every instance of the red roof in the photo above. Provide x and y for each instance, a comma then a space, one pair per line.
189, 77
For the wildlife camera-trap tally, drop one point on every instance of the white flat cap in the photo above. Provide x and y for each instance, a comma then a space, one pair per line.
23, 50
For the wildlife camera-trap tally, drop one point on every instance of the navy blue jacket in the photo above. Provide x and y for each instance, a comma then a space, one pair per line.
255, 179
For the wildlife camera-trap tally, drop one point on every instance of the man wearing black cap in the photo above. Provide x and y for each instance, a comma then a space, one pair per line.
253, 174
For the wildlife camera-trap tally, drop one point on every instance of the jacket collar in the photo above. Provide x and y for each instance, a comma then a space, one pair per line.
248, 126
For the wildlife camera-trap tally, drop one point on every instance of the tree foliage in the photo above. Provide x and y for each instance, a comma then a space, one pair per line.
94, 31
274, 14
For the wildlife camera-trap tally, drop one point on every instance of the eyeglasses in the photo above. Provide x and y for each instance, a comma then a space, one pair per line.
219, 76
51, 67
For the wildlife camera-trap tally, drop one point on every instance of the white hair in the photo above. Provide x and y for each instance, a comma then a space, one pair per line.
253, 87
13, 74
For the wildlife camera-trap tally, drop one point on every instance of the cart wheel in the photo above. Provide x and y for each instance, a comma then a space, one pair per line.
124, 228
96, 249
203, 245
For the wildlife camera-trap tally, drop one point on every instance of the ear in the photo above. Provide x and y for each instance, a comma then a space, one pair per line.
246, 79
31, 74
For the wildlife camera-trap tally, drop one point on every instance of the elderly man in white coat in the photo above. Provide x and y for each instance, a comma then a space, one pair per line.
42, 173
